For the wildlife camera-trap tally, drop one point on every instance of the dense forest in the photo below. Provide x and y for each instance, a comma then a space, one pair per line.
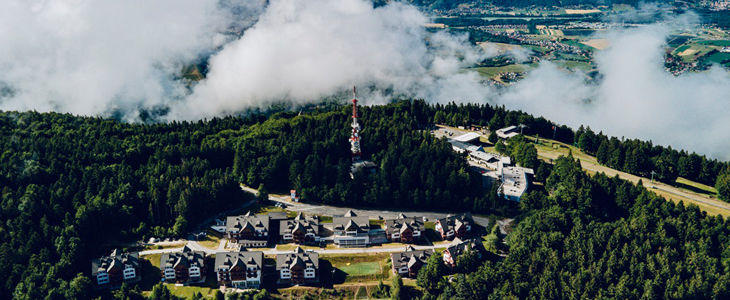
629, 155
72, 187
603, 238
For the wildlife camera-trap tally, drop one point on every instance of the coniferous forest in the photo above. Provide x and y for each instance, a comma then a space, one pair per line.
72, 187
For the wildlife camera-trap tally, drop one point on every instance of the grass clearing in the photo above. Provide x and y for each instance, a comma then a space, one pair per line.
359, 267
549, 150
212, 240
165, 246
702, 188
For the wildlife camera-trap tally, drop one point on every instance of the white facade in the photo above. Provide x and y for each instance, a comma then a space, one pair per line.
309, 273
285, 274
102, 278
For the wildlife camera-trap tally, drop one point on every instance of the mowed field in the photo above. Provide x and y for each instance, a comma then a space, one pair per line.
369, 267
599, 44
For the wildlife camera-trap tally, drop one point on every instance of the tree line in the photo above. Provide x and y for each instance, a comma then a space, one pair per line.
600, 237
71, 187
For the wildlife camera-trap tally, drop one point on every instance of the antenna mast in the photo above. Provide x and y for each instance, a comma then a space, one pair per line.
355, 136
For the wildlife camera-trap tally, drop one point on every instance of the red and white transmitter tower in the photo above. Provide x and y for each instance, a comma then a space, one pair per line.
355, 136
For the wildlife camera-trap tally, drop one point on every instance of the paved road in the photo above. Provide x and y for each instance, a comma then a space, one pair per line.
272, 251
373, 214
593, 167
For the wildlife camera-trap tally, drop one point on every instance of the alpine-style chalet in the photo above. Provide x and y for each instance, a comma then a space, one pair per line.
454, 226
403, 229
351, 230
301, 230
186, 266
241, 269
248, 230
298, 267
408, 263
111, 271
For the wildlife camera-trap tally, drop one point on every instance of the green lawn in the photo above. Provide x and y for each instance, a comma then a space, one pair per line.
360, 269
325, 219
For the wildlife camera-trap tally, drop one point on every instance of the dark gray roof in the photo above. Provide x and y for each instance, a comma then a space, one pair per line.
454, 221
186, 256
114, 260
307, 224
277, 215
298, 256
249, 220
392, 225
410, 257
242, 258
458, 247
362, 223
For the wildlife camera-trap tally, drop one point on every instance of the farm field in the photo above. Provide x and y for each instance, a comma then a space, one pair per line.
599, 44
490, 72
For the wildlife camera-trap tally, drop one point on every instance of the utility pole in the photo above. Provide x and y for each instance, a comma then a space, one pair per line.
521, 126
652, 176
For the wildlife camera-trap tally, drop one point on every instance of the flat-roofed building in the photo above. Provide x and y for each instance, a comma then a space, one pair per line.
468, 137
515, 181
507, 132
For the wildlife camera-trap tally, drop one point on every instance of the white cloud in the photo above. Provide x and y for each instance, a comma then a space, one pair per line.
302, 51
636, 97
92, 57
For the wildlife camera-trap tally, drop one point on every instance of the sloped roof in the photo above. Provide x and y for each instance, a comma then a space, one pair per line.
297, 257
184, 257
238, 223
243, 258
451, 221
397, 225
115, 260
410, 257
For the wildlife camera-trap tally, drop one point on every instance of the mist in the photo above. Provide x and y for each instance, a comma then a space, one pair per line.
635, 97
103, 57
302, 51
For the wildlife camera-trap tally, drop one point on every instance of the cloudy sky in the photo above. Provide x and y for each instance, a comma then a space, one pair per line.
99, 57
